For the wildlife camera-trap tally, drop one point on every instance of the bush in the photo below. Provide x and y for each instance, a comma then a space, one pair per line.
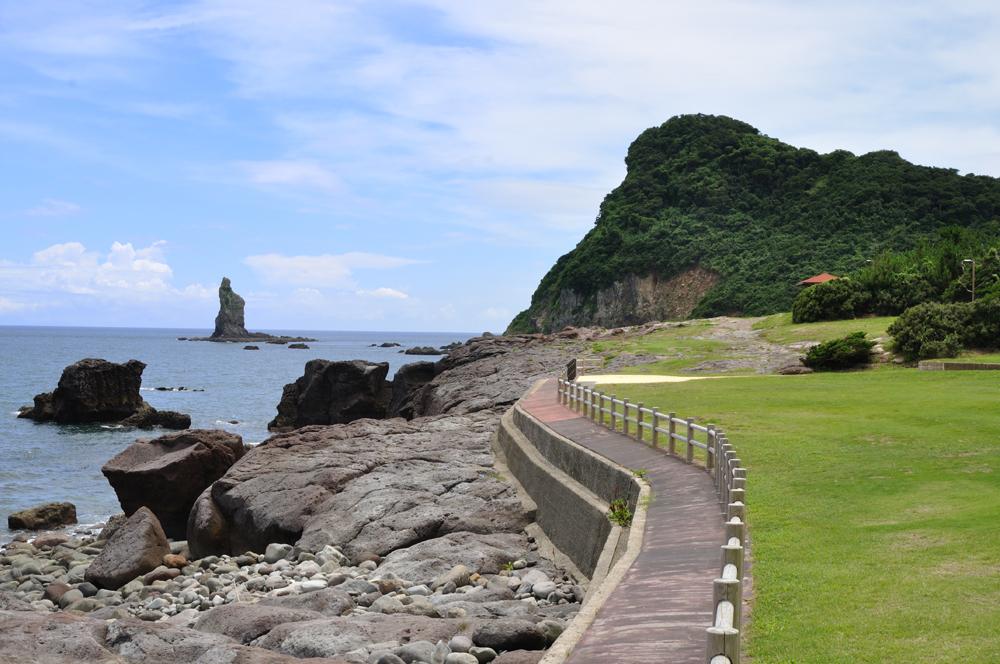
931, 330
844, 353
833, 300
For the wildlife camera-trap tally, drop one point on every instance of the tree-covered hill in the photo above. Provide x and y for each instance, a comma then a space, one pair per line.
714, 217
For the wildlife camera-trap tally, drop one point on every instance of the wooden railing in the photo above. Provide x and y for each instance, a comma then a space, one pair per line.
681, 437
579, 365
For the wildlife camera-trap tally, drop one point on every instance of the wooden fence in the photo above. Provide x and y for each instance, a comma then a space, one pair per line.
682, 437
578, 365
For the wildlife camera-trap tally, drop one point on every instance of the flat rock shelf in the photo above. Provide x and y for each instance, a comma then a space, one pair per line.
659, 611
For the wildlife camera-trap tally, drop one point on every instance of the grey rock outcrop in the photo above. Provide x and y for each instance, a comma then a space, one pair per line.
230, 320
406, 384
167, 474
333, 393
491, 373
95, 390
41, 517
137, 547
369, 486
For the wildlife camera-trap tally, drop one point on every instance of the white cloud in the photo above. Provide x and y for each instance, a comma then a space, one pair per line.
323, 271
8, 306
52, 207
291, 173
124, 273
383, 292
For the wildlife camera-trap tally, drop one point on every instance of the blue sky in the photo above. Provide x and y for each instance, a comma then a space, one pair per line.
413, 165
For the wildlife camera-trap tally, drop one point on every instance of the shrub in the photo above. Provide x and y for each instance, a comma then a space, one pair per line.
834, 300
932, 330
843, 353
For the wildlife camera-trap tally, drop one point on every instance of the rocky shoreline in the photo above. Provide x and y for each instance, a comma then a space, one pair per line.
373, 540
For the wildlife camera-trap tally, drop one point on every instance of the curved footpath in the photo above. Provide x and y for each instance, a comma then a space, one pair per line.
660, 609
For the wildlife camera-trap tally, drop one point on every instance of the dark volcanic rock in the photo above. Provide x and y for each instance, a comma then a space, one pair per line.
333, 393
49, 515
148, 417
230, 321
369, 486
137, 547
298, 346
406, 384
422, 350
91, 390
168, 473
509, 634
251, 348
94, 390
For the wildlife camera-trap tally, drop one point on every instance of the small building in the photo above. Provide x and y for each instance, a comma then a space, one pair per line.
818, 279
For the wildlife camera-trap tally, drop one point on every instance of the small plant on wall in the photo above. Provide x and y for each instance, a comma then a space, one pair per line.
620, 513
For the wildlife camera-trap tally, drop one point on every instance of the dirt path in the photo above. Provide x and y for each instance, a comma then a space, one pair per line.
748, 346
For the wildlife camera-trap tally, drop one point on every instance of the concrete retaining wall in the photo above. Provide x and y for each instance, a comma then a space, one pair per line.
571, 487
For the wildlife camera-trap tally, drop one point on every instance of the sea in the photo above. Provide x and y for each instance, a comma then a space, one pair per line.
226, 387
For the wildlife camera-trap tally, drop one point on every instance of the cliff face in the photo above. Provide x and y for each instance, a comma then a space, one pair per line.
715, 218
631, 300
230, 321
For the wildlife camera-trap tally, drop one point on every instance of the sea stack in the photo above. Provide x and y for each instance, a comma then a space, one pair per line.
230, 321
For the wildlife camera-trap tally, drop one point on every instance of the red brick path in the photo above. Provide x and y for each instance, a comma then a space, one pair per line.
660, 610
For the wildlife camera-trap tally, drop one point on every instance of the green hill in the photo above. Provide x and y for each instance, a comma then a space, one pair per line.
714, 217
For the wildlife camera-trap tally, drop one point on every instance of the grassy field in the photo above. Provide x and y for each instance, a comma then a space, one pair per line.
874, 500
780, 329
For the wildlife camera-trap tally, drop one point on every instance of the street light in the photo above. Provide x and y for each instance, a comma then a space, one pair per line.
970, 261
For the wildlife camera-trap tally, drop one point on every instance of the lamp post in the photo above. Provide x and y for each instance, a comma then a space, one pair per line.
972, 262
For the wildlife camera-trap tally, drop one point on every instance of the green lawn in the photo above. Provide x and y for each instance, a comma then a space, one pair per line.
681, 347
874, 506
780, 329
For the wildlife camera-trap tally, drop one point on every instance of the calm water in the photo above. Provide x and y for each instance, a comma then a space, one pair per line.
48, 462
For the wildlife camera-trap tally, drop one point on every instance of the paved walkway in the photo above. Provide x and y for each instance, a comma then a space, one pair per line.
660, 610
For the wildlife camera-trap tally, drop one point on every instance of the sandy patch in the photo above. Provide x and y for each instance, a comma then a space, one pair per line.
629, 379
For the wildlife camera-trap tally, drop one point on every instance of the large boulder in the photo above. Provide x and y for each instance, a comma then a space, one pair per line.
168, 473
91, 390
372, 486
137, 547
95, 390
43, 517
230, 320
247, 622
409, 380
333, 393
148, 417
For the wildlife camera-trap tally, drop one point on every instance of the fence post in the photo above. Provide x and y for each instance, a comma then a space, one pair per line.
656, 427
595, 405
671, 430
625, 405
614, 424
638, 422
690, 441
710, 449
